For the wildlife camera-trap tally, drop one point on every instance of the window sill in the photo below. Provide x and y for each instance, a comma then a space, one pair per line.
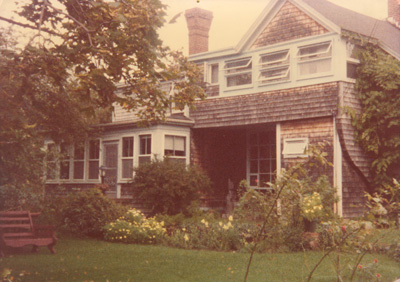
314, 76
235, 88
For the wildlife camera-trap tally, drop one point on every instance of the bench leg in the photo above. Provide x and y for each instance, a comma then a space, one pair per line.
35, 249
51, 248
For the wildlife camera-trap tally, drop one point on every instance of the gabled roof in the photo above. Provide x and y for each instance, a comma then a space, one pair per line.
387, 34
333, 17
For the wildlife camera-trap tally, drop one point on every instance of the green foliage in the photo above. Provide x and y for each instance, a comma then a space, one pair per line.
87, 212
22, 198
69, 70
170, 187
384, 205
134, 227
378, 125
212, 233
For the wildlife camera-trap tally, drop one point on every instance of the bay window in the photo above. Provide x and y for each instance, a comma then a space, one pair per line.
145, 149
175, 147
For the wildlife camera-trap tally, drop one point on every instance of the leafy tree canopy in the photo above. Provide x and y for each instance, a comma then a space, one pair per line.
66, 77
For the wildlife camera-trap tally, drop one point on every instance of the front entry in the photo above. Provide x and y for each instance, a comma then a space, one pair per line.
110, 161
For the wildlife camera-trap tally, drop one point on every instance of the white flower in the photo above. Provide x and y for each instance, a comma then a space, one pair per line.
230, 218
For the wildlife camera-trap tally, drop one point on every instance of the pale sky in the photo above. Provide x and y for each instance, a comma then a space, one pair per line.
232, 18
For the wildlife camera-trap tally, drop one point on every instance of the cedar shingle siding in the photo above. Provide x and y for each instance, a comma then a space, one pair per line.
288, 24
267, 107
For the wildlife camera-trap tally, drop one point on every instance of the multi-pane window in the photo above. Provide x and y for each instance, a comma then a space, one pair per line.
64, 161
127, 157
51, 161
262, 158
79, 161
274, 67
175, 147
94, 159
315, 59
145, 149
238, 72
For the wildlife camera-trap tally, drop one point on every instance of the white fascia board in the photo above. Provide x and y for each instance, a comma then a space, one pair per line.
389, 50
259, 25
271, 10
212, 54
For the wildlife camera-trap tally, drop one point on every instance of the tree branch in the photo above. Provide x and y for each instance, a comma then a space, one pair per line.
28, 26
72, 18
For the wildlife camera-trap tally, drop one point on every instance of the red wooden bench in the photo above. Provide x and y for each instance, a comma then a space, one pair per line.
17, 230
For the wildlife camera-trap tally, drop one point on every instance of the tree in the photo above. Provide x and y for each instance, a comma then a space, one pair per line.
378, 126
65, 78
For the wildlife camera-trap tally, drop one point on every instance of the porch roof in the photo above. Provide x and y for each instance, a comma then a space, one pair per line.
267, 107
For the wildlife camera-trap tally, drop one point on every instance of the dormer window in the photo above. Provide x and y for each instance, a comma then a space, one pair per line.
274, 67
315, 59
238, 72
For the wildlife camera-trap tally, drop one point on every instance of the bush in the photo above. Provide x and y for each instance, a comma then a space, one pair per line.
134, 227
169, 187
20, 198
221, 235
86, 212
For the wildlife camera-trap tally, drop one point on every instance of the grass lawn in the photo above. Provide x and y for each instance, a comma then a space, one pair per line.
92, 260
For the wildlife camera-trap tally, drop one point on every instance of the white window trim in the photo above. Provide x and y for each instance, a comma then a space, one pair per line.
209, 74
318, 74
122, 158
246, 71
71, 161
185, 144
88, 159
298, 154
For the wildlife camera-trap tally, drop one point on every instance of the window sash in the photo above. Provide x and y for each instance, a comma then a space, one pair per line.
175, 146
127, 147
282, 74
326, 52
295, 147
261, 158
94, 159
145, 145
237, 66
284, 60
127, 157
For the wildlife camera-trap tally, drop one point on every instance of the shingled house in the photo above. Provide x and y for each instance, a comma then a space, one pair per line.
282, 87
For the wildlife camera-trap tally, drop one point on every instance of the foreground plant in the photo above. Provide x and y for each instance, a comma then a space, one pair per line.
353, 237
134, 227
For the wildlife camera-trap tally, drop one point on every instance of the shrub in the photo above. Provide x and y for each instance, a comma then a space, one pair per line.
20, 198
170, 187
86, 212
221, 235
134, 227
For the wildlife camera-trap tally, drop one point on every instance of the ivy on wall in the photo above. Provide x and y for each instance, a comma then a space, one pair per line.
378, 125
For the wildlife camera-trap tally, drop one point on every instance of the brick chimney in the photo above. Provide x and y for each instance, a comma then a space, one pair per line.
394, 12
199, 23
